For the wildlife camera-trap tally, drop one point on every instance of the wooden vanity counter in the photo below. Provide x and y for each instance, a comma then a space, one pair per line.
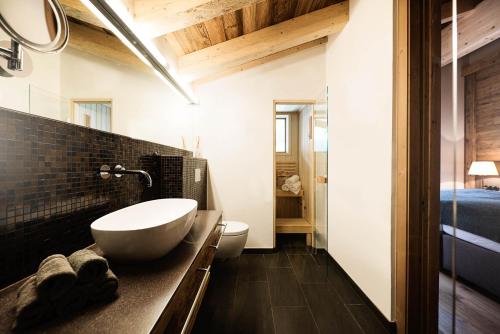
154, 297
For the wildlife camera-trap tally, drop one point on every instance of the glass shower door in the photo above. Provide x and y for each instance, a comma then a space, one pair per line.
320, 144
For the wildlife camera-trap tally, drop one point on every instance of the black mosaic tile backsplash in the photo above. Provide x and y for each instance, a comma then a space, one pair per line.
178, 178
50, 192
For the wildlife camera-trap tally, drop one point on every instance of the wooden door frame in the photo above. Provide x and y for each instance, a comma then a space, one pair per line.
416, 156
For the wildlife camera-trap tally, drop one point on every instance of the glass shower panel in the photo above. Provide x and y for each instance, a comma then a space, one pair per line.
475, 237
449, 149
45, 103
320, 143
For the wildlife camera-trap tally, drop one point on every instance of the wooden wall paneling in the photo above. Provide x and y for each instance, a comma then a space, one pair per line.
317, 4
263, 17
249, 19
198, 36
292, 5
303, 7
281, 10
482, 116
288, 207
491, 60
233, 24
215, 30
470, 129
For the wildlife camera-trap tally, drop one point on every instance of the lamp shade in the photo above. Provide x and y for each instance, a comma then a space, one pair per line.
484, 168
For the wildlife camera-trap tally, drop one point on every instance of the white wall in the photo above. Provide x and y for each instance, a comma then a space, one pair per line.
359, 77
235, 122
143, 106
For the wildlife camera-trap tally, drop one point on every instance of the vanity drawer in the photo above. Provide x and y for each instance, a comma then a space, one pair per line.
180, 315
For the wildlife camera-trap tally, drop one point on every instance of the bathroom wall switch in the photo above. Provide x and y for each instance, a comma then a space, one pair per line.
197, 175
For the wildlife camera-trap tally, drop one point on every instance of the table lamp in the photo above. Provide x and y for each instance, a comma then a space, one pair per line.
483, 168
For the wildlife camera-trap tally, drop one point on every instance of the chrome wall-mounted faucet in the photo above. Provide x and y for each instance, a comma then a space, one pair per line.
105, 172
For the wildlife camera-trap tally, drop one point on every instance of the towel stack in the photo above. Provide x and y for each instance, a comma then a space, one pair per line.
292, 184
63, 286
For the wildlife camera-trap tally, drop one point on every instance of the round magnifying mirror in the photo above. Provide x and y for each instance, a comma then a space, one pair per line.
38, 25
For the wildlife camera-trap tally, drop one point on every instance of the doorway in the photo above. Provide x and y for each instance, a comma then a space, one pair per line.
300, 170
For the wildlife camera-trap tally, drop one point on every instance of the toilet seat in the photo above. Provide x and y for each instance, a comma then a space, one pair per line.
235, 228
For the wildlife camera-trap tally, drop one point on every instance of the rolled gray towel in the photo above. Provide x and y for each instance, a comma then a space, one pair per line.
31, 309
73, 300
88, 266
105, 290
55, 277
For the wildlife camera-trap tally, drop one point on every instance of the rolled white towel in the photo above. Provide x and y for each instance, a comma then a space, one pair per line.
285, 187
292, 179
295, 188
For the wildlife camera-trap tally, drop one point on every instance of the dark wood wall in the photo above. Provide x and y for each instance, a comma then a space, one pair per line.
482, 112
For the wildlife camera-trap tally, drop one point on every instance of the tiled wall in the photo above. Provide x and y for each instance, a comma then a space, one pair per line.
50, 191
178, 178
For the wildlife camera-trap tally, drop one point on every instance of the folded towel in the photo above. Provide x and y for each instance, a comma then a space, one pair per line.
105, 290
55, 277
295, 188
89, 266
285, 187
31, 309
73, 300
292, 179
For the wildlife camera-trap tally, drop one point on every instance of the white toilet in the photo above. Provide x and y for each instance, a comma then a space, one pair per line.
233, 240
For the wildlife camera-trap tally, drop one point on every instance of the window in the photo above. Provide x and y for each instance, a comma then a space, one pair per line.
282, 133
95, 114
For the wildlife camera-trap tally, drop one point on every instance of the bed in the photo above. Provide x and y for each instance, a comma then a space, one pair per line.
478, 237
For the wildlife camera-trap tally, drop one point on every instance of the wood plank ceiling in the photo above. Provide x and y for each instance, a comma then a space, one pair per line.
240, 22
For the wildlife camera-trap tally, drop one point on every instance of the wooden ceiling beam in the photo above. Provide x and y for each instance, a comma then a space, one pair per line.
102, 44
77, 10
264, 42
261, 61
463, 8
160, 17
476, 29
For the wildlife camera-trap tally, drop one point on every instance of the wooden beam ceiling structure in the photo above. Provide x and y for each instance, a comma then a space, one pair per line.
464, 7
76, 9
213, 38
159, 17
264, 42
102, 44
476, 29
262, 61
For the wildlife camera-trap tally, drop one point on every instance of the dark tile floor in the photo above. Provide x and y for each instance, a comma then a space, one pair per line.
290, 291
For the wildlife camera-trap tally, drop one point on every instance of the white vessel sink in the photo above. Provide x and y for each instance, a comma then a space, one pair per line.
144, 231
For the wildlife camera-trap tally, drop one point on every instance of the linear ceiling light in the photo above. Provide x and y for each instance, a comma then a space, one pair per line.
119, 21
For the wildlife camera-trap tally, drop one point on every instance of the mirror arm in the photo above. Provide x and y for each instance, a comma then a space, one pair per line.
5, 53
14, 56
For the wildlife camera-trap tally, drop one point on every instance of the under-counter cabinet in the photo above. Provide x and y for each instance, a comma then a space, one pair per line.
161, 296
